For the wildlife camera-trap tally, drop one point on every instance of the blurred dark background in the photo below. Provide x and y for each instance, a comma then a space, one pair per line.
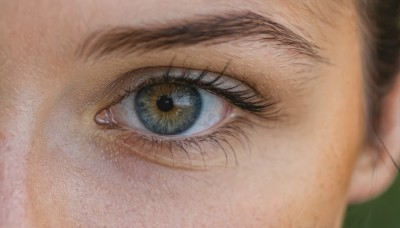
383, 212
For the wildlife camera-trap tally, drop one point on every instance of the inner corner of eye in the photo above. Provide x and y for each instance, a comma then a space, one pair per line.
104, 118
167, 110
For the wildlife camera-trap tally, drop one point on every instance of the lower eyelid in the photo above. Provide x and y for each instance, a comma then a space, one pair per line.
219, 149
218, 146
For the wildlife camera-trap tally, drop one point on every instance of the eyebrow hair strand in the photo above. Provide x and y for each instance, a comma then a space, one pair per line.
207, 29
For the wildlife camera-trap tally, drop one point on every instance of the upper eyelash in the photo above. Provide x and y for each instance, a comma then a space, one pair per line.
247, 99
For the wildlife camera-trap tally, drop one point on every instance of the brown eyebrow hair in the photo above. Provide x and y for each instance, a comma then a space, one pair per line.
206, 30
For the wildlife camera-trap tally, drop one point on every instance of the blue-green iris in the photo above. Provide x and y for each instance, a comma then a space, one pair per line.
168, 109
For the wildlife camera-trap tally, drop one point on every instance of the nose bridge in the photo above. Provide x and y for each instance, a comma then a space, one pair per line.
13, 188
16, 124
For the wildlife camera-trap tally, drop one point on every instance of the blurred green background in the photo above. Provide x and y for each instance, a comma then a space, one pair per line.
383, 212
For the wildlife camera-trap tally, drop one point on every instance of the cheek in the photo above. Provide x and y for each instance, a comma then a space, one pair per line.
304, 172
289, 177
297, 175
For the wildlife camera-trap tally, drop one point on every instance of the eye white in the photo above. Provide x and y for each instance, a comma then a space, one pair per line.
213, 111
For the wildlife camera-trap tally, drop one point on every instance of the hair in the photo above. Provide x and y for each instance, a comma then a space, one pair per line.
380, 20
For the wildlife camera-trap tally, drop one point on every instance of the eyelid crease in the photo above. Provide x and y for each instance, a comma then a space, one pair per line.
231, 90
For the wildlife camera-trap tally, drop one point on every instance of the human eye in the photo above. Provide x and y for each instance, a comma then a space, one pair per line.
185, 118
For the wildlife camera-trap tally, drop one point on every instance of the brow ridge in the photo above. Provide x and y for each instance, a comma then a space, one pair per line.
206, 30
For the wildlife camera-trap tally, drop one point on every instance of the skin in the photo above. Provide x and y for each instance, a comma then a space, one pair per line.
58, 168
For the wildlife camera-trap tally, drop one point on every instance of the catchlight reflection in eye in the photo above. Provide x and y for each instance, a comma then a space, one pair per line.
168, 109
183, 118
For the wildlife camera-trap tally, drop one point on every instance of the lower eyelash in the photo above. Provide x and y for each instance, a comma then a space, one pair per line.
191, 153
216, 149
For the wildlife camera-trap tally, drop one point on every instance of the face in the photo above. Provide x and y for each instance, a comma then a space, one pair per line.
239, 113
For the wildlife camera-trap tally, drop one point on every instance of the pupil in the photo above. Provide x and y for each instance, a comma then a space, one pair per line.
168, 109
165, 104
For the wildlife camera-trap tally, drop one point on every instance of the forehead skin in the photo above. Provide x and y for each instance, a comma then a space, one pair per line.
22, 19
303, 184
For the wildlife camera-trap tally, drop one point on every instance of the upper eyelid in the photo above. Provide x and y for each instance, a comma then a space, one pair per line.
139, 78
197, 76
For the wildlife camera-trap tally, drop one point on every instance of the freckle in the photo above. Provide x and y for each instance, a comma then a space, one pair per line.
2, 138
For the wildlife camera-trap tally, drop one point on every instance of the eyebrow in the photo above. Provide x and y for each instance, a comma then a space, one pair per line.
206, 30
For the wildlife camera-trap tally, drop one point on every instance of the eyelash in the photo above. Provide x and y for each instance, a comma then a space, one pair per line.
246, 99
221, 138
